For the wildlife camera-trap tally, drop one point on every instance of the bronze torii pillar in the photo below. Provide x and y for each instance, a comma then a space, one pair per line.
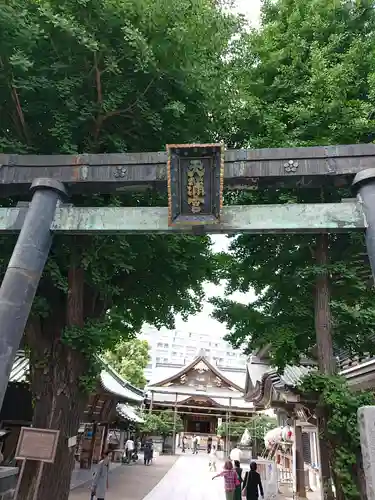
364, 186
24, 271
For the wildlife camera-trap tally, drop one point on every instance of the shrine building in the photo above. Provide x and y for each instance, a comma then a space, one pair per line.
203, 395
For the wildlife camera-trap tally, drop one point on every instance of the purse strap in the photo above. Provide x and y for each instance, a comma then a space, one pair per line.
246, 480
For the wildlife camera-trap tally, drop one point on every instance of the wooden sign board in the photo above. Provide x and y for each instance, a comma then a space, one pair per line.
37, 444
195, 184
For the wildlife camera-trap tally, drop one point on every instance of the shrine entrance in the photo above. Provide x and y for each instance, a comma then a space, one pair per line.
195, 176
203, 396
200, 425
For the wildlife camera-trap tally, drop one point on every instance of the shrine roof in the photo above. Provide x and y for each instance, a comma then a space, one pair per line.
219, 400
128, 413
109, 379
233, 378
119, 387
271, 384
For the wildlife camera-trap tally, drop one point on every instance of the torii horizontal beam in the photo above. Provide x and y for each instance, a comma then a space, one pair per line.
293, 218
251, 168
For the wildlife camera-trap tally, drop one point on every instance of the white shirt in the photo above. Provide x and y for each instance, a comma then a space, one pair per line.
213, 454
129, 445
198, 439
235, 454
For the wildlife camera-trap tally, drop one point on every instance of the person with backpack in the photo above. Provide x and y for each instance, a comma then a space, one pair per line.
252, 484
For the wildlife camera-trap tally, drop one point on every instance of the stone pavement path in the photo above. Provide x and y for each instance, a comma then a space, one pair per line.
130, 482
189, 479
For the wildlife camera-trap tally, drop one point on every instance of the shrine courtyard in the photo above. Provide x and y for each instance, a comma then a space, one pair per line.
184, 477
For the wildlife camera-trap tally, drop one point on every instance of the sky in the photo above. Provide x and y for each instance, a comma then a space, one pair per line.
250, 9
203, 321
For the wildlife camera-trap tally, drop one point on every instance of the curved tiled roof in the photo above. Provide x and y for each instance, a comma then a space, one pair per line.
271, 379
110, 380
187, 368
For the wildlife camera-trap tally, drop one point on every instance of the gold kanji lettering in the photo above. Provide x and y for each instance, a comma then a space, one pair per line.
195, 185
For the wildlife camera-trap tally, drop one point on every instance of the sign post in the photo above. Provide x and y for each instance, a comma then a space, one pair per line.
39, 445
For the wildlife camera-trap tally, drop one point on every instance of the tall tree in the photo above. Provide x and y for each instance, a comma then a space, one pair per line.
305, 78
164, 423
129, 358
98, 76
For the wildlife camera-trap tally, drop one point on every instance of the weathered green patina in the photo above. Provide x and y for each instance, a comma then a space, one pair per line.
299, 218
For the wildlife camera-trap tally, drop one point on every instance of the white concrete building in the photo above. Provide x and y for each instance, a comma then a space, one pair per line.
179, 348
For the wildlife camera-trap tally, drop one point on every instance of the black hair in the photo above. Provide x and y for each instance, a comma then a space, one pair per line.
253, 466
236, 463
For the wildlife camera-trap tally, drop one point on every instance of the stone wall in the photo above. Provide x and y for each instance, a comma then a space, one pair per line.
8, 482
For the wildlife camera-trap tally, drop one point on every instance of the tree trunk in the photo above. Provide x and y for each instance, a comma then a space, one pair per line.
59, 400
323, 321
326, 361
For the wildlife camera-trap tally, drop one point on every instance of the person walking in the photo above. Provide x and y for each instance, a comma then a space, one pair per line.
195, 445
198, 443
209, 444
238, 469
252, 484
213, 458
129, 448
235, 454
148, 452
184, 444
230, 480
100, 482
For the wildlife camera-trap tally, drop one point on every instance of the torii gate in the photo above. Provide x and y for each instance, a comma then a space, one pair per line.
195, 175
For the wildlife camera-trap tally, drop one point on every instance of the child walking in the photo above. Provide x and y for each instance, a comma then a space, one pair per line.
213, 458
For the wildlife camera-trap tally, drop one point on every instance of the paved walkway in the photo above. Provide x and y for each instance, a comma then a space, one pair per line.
130, 482
186, 477
189, 479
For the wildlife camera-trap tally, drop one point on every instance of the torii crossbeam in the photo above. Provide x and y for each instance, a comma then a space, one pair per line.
195, 197
255, 168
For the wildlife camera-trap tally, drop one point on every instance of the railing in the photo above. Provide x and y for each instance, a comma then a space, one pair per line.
285, 476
